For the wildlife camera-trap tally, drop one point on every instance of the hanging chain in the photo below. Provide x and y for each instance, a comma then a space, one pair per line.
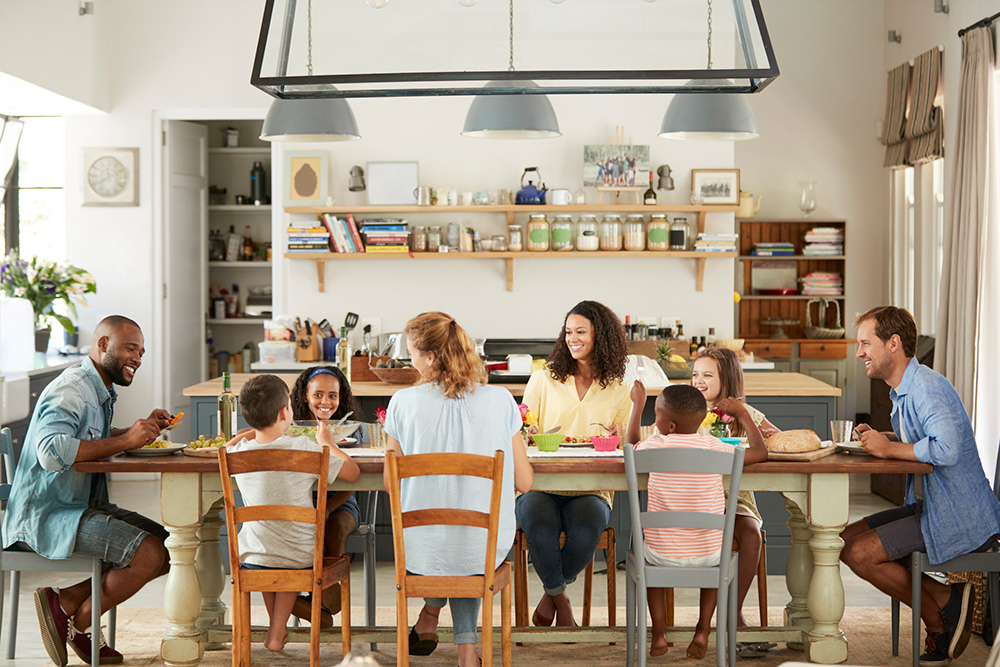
510, 66
709, 34
309, 34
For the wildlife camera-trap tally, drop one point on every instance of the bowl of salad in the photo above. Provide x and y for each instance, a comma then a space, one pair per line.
308, 428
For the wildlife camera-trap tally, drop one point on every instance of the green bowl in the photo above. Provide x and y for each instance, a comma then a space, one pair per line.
548, 442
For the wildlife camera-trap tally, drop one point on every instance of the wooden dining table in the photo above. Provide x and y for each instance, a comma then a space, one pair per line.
815, 493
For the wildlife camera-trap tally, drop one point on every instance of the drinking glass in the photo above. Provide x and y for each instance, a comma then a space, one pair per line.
840, 431
376, 437
808, 200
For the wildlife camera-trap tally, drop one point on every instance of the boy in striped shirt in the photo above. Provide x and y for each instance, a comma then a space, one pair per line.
680, 410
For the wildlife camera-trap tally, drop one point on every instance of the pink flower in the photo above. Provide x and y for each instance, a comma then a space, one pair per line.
380, 414
523, 408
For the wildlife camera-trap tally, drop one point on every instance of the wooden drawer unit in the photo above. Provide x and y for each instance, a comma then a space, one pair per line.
769, 349
827, 350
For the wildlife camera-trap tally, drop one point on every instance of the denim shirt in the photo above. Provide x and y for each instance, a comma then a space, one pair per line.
960, 510
48, 496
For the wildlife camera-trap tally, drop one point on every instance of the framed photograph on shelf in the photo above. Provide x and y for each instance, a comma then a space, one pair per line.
110, 177
715, 186
613, 166
393, 183
308, 178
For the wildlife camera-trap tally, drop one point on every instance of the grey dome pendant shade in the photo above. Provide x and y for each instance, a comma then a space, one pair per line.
709, 116
515, 116
313, 119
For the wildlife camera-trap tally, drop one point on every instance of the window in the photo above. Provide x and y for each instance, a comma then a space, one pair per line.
34, 205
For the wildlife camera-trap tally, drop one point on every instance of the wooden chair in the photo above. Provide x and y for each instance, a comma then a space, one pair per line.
607, 542
324, 571
15, 562
475, 586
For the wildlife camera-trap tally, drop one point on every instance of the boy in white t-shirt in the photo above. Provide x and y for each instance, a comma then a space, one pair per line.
266, 407
680, 410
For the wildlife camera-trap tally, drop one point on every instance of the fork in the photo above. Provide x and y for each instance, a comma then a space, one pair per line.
601, 425
640, 364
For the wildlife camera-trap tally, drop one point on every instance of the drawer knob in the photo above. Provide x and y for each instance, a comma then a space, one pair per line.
767, 349
822, 347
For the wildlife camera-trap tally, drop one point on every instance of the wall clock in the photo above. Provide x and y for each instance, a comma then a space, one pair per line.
110, 177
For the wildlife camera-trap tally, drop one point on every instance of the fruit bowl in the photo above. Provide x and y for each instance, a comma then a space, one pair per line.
548, 442
605, 444
734, 344
676, 370
397, 375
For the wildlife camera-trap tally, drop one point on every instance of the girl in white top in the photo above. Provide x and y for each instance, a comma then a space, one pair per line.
452, 410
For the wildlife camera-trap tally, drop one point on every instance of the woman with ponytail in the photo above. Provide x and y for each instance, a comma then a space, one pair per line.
452, 409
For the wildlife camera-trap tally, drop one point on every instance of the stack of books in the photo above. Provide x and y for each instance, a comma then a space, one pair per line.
773, 249
308, 239
386, 235
716, 242
823, 284
344, 235
824, 242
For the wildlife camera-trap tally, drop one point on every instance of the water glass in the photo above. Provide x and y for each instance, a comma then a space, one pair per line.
376, 437
840, 431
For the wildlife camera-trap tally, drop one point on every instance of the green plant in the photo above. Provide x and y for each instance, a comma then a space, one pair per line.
45, 283
663, 352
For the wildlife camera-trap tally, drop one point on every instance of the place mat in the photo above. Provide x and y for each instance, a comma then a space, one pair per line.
574, 452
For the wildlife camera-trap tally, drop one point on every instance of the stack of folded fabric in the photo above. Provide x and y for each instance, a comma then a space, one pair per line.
824, 242
823, 284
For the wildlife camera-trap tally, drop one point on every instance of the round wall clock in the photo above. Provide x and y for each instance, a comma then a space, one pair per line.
109, 176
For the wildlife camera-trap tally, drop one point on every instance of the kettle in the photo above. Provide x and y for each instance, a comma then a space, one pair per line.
747, 209
529, 194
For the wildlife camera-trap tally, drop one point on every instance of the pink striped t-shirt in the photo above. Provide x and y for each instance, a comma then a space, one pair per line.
690, 492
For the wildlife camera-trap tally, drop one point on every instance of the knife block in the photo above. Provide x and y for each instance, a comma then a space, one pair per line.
307, 346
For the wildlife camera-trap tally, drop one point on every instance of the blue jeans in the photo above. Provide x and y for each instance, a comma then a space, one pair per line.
464, 617
543, 516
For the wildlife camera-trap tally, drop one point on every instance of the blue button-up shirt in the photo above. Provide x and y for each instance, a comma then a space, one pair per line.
48, 496
960, 510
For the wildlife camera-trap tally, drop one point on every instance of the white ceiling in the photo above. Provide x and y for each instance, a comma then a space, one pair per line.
20, 98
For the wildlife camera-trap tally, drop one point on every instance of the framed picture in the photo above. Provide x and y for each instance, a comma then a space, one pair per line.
308, 178
110, 176
715, 186
611, 166
393, 183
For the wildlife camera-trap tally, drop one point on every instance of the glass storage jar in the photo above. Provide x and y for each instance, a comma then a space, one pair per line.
635, 234
499, 243
538, 233
562, 232
516, 238
658, 232
680, 234
611, 232
586, 232
418, 241
433, 238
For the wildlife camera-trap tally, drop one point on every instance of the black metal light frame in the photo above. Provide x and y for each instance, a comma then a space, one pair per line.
619, 81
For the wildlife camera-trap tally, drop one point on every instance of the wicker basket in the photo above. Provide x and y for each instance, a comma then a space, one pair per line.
822, 332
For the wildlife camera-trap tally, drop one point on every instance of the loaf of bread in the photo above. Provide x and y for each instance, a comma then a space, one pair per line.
801, 440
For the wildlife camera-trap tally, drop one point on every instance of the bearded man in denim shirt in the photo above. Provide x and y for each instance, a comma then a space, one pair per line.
58, 512
958, 512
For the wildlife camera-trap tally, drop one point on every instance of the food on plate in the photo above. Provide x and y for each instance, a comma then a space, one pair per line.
158, 444
799, 440
203, 442
296, 431
576, 439
393, 363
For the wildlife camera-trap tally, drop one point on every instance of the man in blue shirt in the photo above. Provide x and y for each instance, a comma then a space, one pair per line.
59, 512
952, 511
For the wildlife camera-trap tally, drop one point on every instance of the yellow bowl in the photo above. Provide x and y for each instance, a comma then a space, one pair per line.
734, 344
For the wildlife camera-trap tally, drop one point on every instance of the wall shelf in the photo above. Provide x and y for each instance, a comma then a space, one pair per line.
243, 150
238, 320
241, 265
241, 208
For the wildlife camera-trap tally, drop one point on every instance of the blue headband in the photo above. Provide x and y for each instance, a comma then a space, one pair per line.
320, 371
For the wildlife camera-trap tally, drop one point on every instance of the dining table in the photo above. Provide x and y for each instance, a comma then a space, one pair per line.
815, 493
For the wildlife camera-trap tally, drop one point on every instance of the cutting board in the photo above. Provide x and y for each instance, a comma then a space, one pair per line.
201, 452
802, 456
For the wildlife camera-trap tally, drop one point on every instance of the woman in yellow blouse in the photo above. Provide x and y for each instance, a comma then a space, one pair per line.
581, 384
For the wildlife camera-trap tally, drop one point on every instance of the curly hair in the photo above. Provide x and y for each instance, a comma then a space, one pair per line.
457, 368
348, 403
610, 346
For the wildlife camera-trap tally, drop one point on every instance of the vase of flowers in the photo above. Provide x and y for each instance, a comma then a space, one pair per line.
718, 423
528, 418
45, 284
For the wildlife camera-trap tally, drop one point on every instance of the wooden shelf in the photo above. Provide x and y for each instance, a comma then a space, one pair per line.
241, 265
770, 297
238, 320
242, 208
515, 208
792, 258
243, 150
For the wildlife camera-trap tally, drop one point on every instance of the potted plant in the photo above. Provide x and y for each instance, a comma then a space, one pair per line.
44, 284
674, 365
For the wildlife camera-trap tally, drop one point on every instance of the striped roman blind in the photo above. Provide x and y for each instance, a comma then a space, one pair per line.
894, 128
924, 133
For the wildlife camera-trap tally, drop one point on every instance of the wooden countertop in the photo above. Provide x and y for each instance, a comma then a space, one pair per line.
756, 384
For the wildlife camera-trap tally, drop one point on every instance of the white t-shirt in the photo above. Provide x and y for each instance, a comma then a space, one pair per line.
281, 544
424, 421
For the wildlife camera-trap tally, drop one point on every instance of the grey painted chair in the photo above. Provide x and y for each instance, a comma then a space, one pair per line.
641, 575
988, 562
16, 562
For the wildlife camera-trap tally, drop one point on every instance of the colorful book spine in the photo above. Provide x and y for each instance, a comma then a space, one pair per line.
352, 227
387, 249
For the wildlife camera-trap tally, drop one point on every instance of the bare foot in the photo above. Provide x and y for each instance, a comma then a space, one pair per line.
699, 645
659, 645
274, 644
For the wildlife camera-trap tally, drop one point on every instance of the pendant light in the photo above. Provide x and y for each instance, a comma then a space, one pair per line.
709, 116
311, 119
516, 116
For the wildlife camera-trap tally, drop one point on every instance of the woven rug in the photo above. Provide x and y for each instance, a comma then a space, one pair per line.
867, 628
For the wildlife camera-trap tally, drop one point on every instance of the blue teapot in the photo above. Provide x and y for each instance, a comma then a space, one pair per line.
529, 194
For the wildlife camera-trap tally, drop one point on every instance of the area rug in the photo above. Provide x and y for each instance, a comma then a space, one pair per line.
867, 628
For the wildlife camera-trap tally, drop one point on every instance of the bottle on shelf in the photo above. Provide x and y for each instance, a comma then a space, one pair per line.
680, 331
710, 340
641, 328
649, 196
227, 405
680, 234
701, 344
344, 354
247, 245
693, 346
628, 327
258, 184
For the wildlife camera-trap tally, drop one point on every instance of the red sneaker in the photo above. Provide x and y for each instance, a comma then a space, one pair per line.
53, 624
79, 641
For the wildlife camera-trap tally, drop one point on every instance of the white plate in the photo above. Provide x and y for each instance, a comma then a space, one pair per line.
853, 447
162, 451
347, 441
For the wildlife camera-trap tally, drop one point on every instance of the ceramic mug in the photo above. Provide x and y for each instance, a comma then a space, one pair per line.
558, 197
466, 199
423, 196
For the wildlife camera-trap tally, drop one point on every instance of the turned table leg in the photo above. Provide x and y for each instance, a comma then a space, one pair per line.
828, 515
183, 643
799, 570
211, 574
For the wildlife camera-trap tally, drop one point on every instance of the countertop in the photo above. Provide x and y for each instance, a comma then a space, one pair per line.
47, 363
758, 364
756, 384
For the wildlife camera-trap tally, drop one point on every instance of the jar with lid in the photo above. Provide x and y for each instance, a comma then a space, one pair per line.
562, 232
611, 232
433, 238
658, 232
516, 238
499, 243
586, 232
418, 240
680, 234
635, 235
538, 233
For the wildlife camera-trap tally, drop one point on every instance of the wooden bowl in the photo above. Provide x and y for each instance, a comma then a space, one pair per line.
397, 375
734, 344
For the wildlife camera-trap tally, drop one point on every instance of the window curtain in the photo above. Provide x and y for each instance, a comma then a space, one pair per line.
968, 324
913, 127
894, 128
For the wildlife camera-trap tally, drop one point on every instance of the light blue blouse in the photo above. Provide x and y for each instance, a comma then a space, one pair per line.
423, 420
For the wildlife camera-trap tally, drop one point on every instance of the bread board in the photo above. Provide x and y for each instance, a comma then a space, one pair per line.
826, 450
202, 452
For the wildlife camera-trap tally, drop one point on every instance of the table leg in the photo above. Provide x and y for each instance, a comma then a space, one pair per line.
828, 515
799, 570
183, 643
211, 574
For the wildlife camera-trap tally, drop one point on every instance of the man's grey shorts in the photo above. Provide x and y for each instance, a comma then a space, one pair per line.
898, 530
114, 534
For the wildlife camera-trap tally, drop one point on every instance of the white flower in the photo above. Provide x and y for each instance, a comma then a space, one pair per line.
19, 291
87, 278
